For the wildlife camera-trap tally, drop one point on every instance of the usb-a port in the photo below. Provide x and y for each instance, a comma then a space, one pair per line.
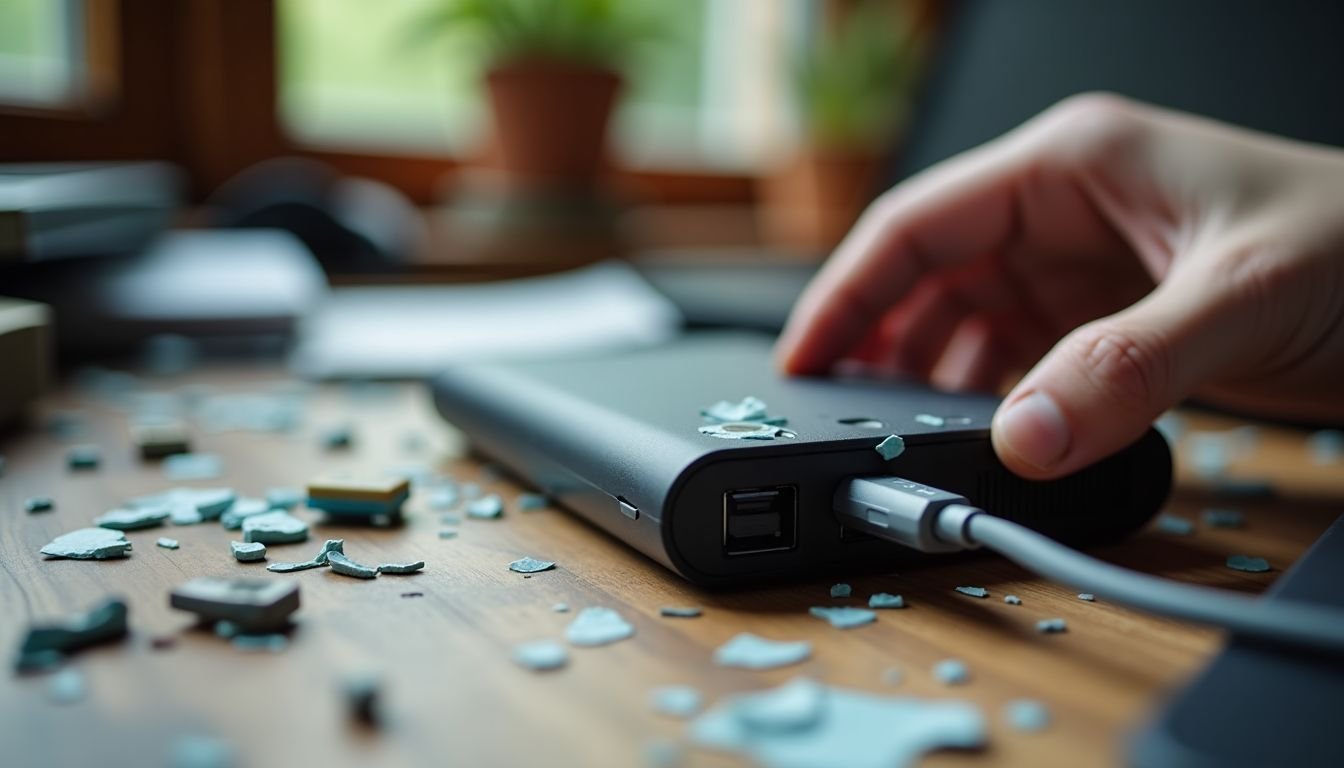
760, 520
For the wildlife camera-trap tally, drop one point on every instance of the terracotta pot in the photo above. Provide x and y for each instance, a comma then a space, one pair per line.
813, 200
551, 119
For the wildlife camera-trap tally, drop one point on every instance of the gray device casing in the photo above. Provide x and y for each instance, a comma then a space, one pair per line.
616, 439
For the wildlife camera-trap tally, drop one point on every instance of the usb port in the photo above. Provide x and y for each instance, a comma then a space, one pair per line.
760, 520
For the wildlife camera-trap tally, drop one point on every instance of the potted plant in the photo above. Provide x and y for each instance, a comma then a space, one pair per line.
852, 87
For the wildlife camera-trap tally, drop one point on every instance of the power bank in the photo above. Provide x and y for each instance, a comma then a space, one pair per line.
617, 440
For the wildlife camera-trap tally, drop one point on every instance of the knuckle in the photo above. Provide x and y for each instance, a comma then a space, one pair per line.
1130, 370
1087, 129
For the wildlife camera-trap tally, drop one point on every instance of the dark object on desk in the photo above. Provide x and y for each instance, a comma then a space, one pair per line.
618, 439
351, 225
70, 210
1257, 705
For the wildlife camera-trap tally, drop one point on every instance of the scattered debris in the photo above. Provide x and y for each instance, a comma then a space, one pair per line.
132, 519
337, 438
486, 508
1326, 446
560, 608
361, 693
527, 502
252, 605
1176, 526
979, 592
166, 543
285, 498
401, 569
193, 466
679, 701
951, 672
346, 567
1247, 563
886, 600
1087, 597
929, 420
1012, 599
1026, 715
47, 645
194, 504
843, 617
155, 441
1051, 626
359, 497
274, 528
748, 409
445, 496
202, 752
803, 723
890, 447
749, 651
598, 626
530, 565
893, 676
541, 655
1223, 518
83, 457
745, 430
89, 544
841, 590
67, 687
680, 612
38, 504
272, 642
248, 551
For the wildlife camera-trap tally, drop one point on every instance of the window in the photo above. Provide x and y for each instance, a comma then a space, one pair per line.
41, 52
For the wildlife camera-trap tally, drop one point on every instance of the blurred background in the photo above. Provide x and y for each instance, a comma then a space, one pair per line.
224, 169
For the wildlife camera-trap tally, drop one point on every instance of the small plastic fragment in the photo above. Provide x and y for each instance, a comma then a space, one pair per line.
193, 466
792, 707
284, 498
1026, 715
1087, 597
841, 590
1012, 599
1176, 526
274, 528
530, 565
680, 612
886, 600
1326, 446
843, 616
201, 752
749, 651
83, 457
1223, 518
38, 504
527, 502
488, 507
132, 519
361, 691
46, 645
250, 605
67, 687
401, 569
560, 608
248, 552
273, 642
346, 567
598, 626
89, 544
1052, 626
540, 655
951, 672
979, 592
1247, 563
679, 701
167, 543
890, 447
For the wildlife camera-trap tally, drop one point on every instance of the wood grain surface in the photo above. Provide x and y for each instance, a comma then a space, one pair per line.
452, 697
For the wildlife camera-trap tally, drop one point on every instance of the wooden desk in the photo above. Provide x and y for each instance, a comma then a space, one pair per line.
452, 695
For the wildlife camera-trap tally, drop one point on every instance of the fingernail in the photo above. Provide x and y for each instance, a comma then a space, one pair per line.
1033, 428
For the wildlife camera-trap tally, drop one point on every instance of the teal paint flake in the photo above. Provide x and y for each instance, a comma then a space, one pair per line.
247, 552
530, 565
401, 569
951, 672
886, 600
193, 466
841, 590
749, 651
1087, 597
490, 507
132, 519
167, 543
1052, 626
747, 409
83, 457
979, 592
540, 655
38, 504
67, 687
285, 498
1012, 599
679, 701
241, 509
680, 612
1247, 563
1027, 715
890, 447
346, 567
598, 626
843, 617
89, 544
274, 528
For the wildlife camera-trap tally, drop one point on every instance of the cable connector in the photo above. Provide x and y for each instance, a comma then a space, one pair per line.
919, 516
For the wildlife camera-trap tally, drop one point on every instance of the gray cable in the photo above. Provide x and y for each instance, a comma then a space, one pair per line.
1279, 621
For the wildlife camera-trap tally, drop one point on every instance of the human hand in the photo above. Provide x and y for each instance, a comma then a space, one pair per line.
1135, 255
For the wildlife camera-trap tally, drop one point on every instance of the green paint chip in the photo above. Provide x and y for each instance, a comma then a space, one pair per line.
89, 544
1247, 563
890, 447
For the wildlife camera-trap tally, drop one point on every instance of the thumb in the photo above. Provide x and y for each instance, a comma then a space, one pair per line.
1101, 386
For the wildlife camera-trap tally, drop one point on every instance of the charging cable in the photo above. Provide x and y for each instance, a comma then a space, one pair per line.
932, 520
